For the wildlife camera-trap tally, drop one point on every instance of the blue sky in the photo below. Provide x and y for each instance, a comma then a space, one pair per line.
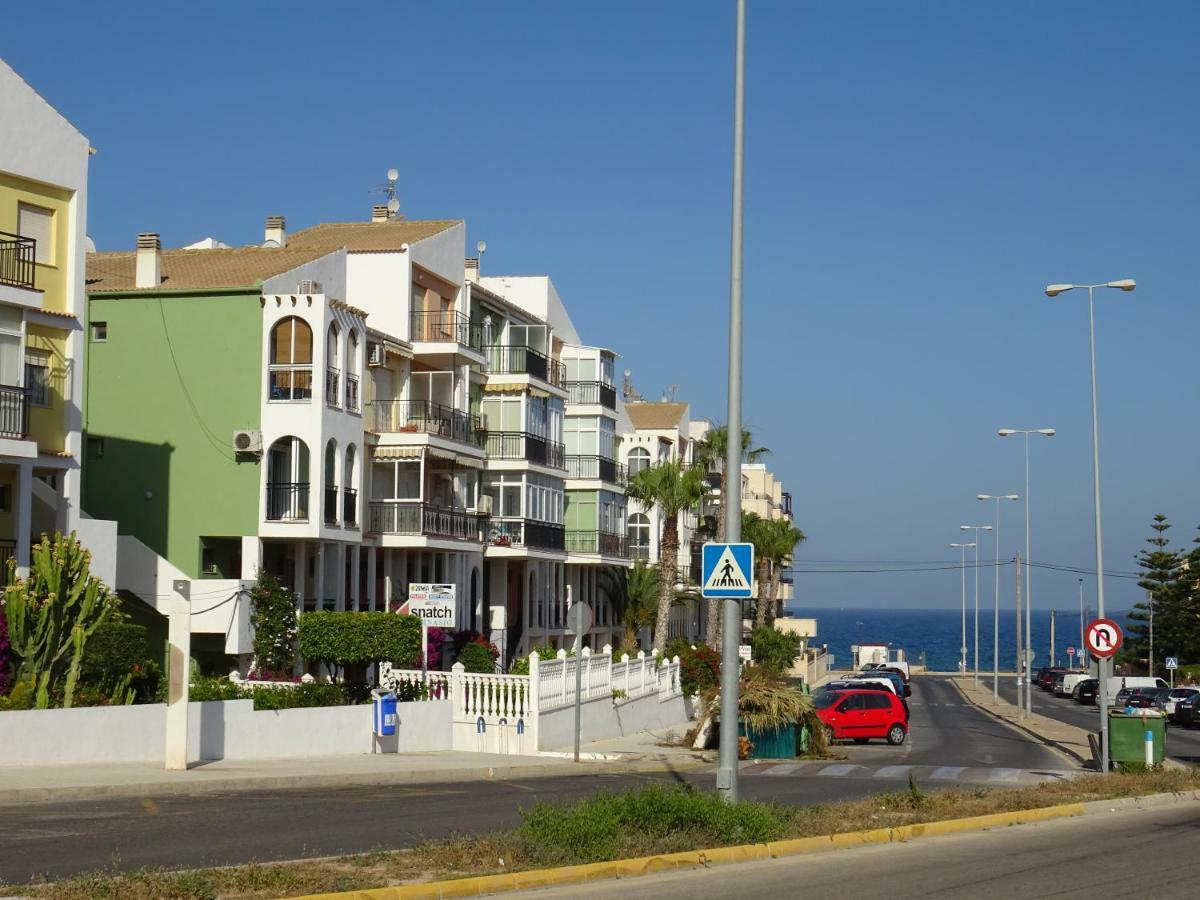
916, 172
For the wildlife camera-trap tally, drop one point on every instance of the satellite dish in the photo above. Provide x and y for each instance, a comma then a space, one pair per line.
393, 174
88, 244
481, 246
393, 204
628, 373
271, 243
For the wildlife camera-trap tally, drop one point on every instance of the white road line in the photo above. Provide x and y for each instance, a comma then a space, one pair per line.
784, 769
839, 769
893, 771
1005, 775
947, 773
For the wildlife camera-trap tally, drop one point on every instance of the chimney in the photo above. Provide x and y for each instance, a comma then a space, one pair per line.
380, 213
149, 260
276, 230
472, 269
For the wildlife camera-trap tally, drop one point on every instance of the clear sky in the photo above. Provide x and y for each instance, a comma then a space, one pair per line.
916, 172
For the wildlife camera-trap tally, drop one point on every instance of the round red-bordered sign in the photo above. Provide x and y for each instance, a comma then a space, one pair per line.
1103, 637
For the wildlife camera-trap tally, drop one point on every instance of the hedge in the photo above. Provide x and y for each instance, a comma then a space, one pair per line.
360, 638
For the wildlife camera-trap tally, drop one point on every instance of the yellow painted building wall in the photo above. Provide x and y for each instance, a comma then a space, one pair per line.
51, 278
47, 424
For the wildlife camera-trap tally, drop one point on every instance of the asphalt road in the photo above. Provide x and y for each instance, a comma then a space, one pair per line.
1183, 744
57, 839
1114, 855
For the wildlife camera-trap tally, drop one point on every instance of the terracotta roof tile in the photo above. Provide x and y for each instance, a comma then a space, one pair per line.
656, 416
183, 269
367, 236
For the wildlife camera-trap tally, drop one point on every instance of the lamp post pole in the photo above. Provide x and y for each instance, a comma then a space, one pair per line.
730, 668
976, 529
962, 564
996, 600
1054, 290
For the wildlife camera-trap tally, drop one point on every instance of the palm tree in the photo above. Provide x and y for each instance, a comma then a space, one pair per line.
672, 489
711, 453
633, 594
757, 531
780, 540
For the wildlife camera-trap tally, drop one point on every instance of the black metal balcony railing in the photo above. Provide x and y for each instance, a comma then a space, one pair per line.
332, 376
786, 500
522, 445
14, 411
351, 393
522, 360
445, 326
290, 383
287, 500
331, 509
399, 517
8, 550
525, 533
601, 542
17, 257
349, 507
639, 551
597, 467
426, 417
591, 392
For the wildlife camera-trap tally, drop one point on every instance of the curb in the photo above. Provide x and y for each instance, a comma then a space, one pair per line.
627, 868
185, 788
1041, 738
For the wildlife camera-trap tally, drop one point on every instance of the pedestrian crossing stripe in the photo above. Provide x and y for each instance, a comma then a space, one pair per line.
727, 571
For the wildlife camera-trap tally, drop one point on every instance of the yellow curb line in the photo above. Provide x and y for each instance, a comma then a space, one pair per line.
645, 865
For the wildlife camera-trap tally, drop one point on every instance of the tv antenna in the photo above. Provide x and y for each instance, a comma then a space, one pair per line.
389, 189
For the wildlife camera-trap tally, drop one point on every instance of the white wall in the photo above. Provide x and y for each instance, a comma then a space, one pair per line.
99, 536
329, 271
600, 720
381, 284
221, 730
443, 254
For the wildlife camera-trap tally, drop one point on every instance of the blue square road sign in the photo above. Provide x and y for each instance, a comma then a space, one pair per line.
727, 571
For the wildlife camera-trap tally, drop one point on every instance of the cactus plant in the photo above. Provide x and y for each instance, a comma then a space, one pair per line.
51, 614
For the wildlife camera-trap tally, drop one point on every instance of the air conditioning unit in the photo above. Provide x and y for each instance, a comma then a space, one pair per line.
308, 286
247, 442
376, 355
485, 505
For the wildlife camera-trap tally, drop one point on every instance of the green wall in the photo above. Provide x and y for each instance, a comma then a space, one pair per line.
581, 511
163, 396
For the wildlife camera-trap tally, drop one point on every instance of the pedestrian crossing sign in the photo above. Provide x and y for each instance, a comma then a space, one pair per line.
727, 571
1172, 662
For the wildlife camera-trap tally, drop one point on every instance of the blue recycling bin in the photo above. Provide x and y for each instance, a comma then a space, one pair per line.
384, 713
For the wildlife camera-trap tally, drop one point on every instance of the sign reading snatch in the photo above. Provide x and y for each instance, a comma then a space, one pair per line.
434, 604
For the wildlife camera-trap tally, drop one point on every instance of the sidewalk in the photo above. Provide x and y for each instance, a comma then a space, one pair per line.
1067, 739
40, 784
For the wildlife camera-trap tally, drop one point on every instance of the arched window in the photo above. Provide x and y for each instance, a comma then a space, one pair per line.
639, 459
290, 360
637, 534
332, 373
352, 371
350, 488
287, 480
331, 487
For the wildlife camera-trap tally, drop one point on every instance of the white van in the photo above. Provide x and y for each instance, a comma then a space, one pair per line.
1070, 682
1132, 681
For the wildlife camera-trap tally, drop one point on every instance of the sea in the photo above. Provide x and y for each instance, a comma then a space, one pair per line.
933, 636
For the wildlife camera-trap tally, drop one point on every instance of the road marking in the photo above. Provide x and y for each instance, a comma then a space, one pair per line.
836, 771
947, 773
1005, 775
785, 769
893, 771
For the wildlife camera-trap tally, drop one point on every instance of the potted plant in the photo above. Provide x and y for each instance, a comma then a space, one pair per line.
770, 711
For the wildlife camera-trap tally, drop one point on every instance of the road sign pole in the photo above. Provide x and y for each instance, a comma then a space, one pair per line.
727, 770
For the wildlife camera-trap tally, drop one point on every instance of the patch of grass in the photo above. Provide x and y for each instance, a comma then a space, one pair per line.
637, 822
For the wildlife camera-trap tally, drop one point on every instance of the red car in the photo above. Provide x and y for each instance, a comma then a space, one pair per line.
862, 715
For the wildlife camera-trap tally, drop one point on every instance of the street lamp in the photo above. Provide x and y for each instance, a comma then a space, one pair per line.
996, 602
962, 564
976, 529
1053, 290
1081, 624
1028, 666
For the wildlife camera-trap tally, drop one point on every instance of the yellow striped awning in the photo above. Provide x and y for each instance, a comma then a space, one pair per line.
497, 388
386, 453
470, 462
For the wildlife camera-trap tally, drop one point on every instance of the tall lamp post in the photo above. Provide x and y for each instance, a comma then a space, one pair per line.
976, 529
1081, 624
1028, 661
962, 564
996, 601
1053, 290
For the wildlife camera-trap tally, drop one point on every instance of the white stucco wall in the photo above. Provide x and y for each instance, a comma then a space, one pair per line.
380, 284
328, 271
600, 720
443, 254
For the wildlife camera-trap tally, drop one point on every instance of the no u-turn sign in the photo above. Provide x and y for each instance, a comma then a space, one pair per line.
1103, 637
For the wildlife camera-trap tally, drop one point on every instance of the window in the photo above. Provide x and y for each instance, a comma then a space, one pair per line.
290, 356
877, 701
37, 223
37, 377
639, 459
638, 534
95, 447
99, 332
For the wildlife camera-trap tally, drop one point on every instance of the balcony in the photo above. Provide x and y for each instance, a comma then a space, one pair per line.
786, 500
525, 533
425, 417
332, 377
639, 551
290, 383
349, 507
522, 445
597, 468
287, 501
401, 517
14, 412
591, 392
521, 360
601, 542
331, 509
351, 393
17, 256
445, 327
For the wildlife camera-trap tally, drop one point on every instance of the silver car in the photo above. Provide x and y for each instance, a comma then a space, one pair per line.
1177, 694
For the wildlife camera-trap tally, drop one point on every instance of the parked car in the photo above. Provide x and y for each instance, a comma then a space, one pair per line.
1176, 695
846, 684
1186, 711
1070, 681
1045, 676
899, 684
1086, 690
1117, 682
1057, 686
862, 714
1142, 697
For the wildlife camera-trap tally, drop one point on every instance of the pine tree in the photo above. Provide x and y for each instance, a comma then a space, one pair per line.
1163, 592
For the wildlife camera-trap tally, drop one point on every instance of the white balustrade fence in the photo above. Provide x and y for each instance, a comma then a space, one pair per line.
407, 683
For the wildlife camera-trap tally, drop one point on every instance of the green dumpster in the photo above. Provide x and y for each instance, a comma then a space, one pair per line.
1127, 737
774, 743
